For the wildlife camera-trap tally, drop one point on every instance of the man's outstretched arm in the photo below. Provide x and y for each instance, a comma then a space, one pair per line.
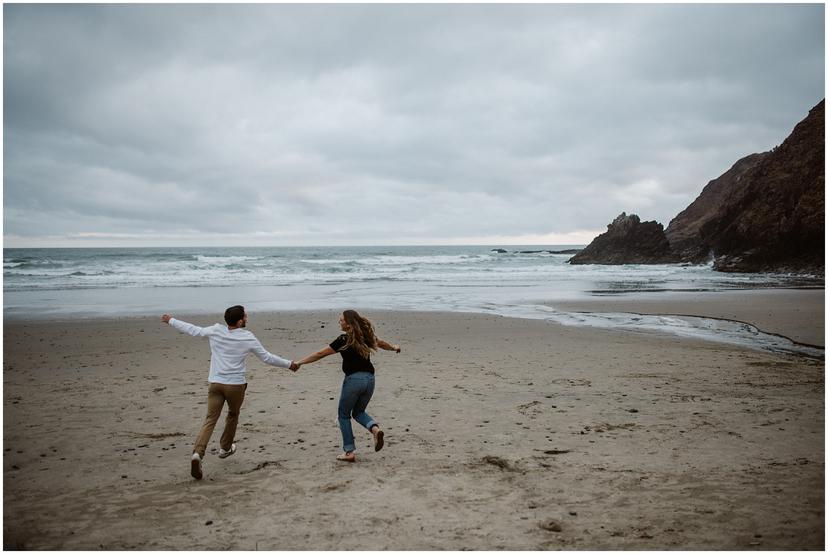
272, 359
184, 327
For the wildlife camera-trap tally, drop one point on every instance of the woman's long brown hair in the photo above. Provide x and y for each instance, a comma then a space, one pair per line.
360, 333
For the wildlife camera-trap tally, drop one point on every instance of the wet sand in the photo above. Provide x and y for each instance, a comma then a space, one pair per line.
796, 314
500, 434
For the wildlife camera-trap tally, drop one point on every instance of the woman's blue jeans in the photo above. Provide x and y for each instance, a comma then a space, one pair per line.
357, 390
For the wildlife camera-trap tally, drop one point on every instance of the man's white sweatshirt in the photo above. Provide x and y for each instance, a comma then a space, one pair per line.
229, 349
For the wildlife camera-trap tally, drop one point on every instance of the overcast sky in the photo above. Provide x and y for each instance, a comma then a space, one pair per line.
385, 124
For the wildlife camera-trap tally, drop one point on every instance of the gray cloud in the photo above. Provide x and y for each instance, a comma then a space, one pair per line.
298, 124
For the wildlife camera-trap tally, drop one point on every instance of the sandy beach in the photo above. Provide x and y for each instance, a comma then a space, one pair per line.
501, 434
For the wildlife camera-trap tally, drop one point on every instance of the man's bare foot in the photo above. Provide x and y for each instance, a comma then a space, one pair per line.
379, 438
347, 457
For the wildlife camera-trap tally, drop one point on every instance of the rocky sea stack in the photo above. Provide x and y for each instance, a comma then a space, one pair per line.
766, 213
628, 241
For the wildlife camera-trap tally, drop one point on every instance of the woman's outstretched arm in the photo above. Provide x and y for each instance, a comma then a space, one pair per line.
309, 359
385, 346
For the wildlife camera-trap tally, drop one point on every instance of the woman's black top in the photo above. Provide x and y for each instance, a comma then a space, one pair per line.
352, 362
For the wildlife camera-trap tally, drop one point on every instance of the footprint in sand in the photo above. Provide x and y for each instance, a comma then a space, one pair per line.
532, 409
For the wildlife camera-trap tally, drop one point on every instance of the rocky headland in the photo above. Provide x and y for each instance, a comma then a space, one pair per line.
766, 213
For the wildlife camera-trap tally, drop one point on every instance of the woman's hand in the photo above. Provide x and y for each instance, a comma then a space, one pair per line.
387, 346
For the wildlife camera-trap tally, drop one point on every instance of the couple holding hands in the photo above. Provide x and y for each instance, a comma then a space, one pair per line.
230, 345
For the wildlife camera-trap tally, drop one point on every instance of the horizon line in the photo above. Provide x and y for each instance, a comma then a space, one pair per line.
287, 246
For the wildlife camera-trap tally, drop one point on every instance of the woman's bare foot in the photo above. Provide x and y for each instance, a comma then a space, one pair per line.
379, 438
347, 457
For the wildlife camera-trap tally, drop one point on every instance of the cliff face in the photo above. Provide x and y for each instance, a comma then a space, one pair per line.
685, 230
628, 241
767, 213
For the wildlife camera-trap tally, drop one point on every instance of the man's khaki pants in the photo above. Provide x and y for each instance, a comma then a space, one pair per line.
217, 395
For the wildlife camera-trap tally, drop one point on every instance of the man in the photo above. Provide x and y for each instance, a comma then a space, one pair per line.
229, 347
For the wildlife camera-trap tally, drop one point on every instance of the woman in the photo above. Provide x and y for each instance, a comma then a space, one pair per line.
355, 346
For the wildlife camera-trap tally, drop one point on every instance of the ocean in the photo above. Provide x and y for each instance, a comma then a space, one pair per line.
523, 281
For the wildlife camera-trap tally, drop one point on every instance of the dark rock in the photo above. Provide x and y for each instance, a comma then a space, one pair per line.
766, 213
684, 231
628, 241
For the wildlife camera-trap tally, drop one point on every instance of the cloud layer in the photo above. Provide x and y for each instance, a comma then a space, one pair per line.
385, 124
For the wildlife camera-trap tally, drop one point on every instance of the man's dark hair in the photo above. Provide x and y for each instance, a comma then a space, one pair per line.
233, 314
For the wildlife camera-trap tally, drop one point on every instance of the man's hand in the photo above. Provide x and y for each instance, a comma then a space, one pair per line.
166, 318
294, 367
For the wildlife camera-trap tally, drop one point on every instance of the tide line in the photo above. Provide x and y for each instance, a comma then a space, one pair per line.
704, 328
